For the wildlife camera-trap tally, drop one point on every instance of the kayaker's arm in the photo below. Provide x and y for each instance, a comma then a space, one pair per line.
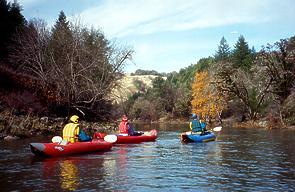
130, 129
77, 131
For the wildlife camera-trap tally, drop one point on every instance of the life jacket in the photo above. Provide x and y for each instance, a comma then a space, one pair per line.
70, 132
196, 125
123, 127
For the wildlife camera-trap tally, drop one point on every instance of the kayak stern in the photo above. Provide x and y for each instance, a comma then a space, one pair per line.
38, 149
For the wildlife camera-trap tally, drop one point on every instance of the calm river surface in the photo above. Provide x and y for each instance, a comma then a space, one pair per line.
239, 160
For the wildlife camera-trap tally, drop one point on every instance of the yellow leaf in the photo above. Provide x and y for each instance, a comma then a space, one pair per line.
205, 99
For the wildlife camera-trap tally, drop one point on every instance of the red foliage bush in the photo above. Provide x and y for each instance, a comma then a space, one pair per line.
25, 93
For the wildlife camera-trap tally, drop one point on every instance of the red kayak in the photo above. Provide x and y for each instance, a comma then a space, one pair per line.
124, 139
56, 149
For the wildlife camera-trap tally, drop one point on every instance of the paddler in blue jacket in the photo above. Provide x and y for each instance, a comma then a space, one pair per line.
195, 124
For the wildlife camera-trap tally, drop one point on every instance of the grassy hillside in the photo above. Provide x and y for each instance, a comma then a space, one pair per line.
131, 84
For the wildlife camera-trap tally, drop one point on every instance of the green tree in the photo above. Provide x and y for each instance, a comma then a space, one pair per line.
242, 56
61, 25
61, 41
223, 51
163, 92
17, 19
204, 64
182, 104
158, 86
180, 84
11, 21
146, 72
186, 75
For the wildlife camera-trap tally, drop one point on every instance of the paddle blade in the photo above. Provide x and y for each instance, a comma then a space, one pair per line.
217, 129
56, 139
110, 138
188, 133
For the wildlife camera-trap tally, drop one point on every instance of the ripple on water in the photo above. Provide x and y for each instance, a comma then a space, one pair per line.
240, 160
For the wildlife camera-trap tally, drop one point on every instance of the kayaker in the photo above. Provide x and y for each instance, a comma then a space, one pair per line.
72, 133
195, 124
126, 128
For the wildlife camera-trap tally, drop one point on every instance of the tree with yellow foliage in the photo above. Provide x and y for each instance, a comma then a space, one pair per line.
205, 99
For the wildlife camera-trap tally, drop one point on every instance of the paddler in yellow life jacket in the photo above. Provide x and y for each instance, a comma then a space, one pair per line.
73, 133
70, 132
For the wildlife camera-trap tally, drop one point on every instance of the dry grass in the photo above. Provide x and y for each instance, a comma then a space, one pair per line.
126, 86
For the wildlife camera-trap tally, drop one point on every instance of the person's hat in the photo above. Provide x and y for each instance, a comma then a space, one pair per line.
74, 119
124, 118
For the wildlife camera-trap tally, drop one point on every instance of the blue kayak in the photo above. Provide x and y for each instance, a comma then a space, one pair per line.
202, 137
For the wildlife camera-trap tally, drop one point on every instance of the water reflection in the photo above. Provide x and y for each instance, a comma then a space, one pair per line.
64, 170
69, 175
118, 164
239, 160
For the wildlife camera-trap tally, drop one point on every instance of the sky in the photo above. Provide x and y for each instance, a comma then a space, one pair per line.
168, 35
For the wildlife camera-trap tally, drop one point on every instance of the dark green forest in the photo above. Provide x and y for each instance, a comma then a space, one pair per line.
71, 69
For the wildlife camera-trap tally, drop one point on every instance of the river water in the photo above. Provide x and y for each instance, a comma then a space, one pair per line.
239, 160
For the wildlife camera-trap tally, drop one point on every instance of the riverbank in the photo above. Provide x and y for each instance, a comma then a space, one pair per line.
23, 126
14, 126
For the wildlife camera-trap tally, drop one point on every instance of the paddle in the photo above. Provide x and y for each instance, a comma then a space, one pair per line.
217, 129
59, 140
110, 138
56, 139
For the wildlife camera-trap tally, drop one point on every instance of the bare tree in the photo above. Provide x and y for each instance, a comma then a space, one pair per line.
31, 55
276, 63
82, 64
250, 88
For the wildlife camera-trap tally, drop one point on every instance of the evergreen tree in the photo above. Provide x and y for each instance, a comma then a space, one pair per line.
204, 64
60, 43
61, 24
223, 51
16, 18
158, 87
11, 21
242, 55
61, 33
4, 31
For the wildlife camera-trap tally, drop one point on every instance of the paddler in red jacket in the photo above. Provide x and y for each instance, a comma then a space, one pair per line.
126, 128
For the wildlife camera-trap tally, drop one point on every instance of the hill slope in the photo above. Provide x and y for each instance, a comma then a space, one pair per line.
131, 84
